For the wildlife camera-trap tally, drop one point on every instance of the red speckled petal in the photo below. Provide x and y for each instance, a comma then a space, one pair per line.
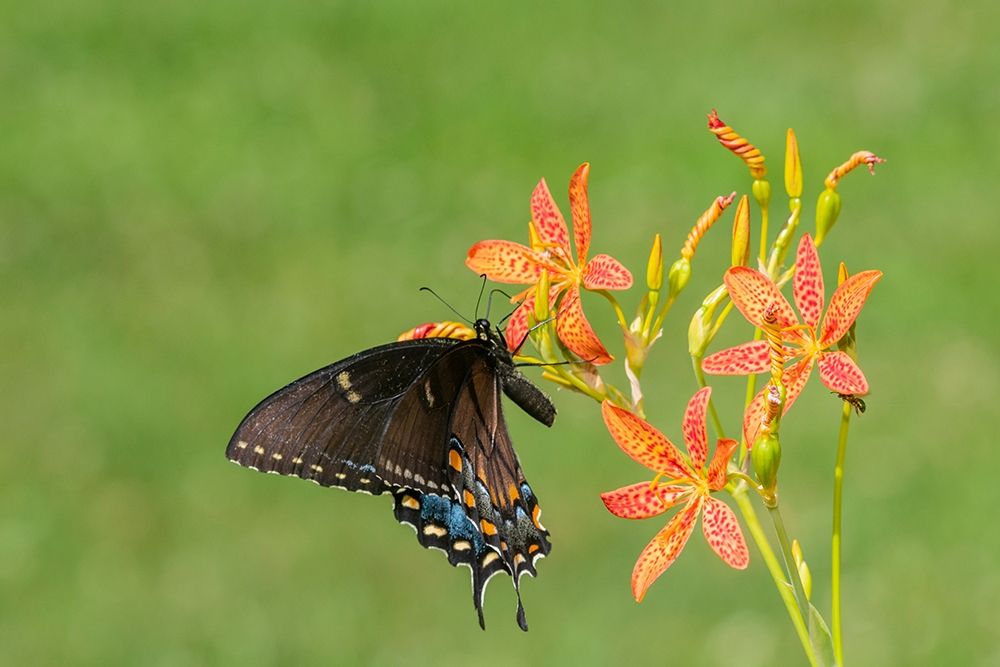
606, 272
580, 211
807, 286
745, 359
517, 325
548, 219
641, 501
845, 304
575, 331
504, 262
840, 374
693, 427
644, 443
664, 549
753, 293
723, 533
794, 378
718, 469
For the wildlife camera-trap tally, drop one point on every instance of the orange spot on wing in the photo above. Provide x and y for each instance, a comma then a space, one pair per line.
470, 500
455, 460
488, 528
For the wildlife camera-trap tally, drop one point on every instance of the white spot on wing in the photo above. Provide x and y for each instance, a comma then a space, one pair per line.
353, 396
344, 380
436, 531
242, 444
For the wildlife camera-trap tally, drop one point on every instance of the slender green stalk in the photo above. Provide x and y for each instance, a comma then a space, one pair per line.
838, 496
786, 552
739, 494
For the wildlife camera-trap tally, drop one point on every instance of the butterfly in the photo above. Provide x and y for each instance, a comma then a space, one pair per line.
422, 420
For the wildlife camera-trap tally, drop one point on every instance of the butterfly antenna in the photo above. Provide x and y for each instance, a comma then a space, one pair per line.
489, 301
450, 307
480, 299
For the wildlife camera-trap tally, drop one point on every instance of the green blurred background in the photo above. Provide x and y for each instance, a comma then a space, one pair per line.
200, 201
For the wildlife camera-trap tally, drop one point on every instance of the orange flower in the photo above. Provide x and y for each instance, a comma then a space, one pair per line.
510, 262
690, 482
808, 342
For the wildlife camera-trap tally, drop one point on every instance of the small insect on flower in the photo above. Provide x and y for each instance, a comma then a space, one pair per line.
856, 402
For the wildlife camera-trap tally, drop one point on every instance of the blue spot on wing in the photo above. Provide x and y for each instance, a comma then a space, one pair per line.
450, 514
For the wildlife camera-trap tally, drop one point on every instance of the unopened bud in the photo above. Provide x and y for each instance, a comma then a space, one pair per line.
761, 192
805, 576
741, 233
766, 459
654, 268
542, 297
679, 275
698, 332
827, 211
793, 166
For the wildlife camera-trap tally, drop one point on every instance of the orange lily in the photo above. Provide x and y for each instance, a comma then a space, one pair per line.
690, 482
807, 342
510, 262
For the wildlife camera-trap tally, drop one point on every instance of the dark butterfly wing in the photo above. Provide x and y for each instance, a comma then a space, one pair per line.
329, 427
423, 419
491, 521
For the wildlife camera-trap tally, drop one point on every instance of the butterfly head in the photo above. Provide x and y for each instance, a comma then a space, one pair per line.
487, 334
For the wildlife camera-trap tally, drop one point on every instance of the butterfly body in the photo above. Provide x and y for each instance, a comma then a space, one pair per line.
421, 419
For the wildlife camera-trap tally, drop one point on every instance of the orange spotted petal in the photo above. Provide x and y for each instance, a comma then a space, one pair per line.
517, 325
548, 219
695, 434
580, 210
606, 272
794, 378
807, 287
575, 331
745, 359
845, 304
754, 293
664, 549
644, 443
718, 469
840, 374
504, 262
642, 500
723, 533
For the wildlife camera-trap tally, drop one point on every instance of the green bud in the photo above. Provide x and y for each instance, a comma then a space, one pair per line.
698, 331
542, 297
741, 233
800, 564
827, 211
761, 192
679, 275
766, 458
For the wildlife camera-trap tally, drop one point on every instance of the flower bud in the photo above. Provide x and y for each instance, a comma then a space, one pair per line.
766, 458
698, 332
741, 233
679, 275
805, 576
761, 192
654, 268
793, 166
827, 211
542, 297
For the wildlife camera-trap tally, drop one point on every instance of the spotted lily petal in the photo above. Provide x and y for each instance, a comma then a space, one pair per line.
845, 304
754, 293
664, 548
807, 287
840, 374
580, 210
644, 500
504, 262
745, 359
644, 443
723, 533
695, 434
717, 470
517, 325
575, 331
548, 218
606, 272
794, 378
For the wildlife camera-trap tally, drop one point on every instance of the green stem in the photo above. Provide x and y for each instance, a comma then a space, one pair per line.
838, 496
786, 552
739, 494
617, 308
